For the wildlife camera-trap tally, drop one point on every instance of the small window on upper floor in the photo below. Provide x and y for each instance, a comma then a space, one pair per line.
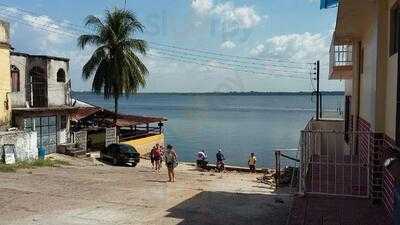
61, 75
15, 86
394, 29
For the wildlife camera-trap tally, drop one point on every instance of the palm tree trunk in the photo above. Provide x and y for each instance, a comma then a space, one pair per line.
116, 109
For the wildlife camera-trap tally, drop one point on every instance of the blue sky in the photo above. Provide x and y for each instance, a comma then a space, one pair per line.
286, 33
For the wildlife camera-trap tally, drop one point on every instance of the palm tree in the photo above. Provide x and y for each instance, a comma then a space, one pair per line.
115, 65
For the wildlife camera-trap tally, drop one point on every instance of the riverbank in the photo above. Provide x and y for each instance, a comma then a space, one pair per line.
90, 192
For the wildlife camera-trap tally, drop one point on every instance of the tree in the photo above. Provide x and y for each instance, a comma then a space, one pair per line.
115, 65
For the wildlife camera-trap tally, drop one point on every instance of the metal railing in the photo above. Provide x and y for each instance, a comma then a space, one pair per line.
329, 165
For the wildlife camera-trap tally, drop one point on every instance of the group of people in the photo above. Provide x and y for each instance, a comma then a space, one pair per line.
202, 160
158, 153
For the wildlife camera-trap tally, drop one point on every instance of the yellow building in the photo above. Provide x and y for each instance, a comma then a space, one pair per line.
5, 79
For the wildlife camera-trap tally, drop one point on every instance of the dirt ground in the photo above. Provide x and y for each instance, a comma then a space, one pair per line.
90, 192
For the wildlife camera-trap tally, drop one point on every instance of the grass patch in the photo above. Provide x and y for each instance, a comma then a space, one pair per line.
31, 165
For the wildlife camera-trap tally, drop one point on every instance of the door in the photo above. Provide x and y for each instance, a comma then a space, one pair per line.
46, 129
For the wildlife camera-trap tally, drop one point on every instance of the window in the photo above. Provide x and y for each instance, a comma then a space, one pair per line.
61, 75
394, 29
15, 86
63, 122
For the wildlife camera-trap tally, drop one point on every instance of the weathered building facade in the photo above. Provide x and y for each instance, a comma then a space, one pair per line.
4, 73
40, 97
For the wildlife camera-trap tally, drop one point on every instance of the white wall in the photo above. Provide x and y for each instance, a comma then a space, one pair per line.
56, 90
367, 78
25, 144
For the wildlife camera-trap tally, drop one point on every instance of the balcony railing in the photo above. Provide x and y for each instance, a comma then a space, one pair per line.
341, 59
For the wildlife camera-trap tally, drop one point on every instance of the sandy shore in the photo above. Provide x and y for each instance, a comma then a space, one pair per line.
91, 192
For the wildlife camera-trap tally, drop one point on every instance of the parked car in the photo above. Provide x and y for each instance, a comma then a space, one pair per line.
120, 154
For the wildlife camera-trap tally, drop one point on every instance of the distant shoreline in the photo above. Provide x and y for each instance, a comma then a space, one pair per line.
250, 93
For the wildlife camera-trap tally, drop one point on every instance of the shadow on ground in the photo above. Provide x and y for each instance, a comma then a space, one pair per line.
222, 208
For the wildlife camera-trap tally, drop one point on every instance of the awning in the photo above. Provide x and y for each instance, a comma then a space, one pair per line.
325, 4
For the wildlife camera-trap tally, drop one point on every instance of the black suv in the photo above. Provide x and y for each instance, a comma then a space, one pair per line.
120, 154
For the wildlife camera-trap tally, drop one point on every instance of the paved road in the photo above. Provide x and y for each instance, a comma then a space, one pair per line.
107, 195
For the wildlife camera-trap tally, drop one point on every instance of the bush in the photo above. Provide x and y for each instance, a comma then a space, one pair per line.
31, 165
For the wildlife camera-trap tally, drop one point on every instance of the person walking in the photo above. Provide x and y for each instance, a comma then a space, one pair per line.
157, 158
171, 161
152, 156
252, 162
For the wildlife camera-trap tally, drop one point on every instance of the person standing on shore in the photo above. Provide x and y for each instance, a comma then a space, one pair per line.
171, 162
220, 161
252, 162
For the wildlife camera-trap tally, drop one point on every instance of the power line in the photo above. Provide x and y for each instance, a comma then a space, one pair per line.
176, 53
232, 69
229, 64
76, 28
227, 55
232, 60
80, 29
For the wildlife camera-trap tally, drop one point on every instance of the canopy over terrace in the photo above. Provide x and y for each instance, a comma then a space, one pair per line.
129, 126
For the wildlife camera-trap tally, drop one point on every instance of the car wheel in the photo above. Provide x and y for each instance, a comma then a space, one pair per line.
115, 161
134, 164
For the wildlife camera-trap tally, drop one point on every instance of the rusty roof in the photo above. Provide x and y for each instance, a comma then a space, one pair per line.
122, 121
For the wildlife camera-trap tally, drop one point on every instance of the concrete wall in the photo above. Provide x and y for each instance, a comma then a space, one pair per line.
144, 145
18, 99
57, 92
5, 83
25, 144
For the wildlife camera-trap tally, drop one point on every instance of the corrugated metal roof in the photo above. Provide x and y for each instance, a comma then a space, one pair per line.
122, 121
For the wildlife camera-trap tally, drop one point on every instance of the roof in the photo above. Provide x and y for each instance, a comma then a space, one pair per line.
123, 120
43, 111
83, 112
39, 56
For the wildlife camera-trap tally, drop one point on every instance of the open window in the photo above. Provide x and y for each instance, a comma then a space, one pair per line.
61, 75
15, 86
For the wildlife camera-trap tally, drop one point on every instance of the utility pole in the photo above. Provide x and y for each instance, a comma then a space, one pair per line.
125, 5
318, 109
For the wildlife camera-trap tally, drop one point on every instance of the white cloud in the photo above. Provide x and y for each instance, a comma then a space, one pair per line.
48, 30
202, 6
47, 26
228, 45
257, 50
301, 47
242, 16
